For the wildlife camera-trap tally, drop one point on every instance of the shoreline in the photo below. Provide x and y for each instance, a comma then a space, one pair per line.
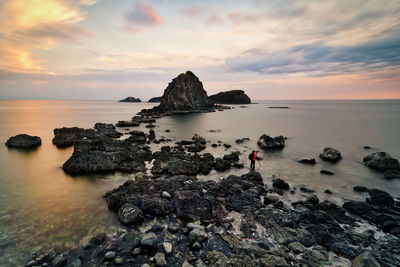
292, 253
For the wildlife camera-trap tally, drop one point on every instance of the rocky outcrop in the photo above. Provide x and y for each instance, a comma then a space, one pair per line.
103, 155
24, 141
155, 99
268, 143
381, 161
185, 92
107, 129
131, 99
231, 97
64, 137
331, 155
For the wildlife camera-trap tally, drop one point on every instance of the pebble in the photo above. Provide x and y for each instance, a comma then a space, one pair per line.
167, 247
160, 259
165, 194
110, 255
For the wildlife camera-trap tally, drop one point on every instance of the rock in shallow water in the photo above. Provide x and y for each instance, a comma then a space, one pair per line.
267, 142
24, 141
331, 155
381, 161
129, 214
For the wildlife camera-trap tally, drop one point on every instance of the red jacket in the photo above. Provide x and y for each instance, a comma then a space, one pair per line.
253, 156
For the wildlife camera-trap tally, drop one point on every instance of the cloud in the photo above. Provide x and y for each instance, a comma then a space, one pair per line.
31, 26
142, 16
194, 11
320, 59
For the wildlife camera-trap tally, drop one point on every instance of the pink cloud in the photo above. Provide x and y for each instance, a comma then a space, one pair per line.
142, 16
194, 11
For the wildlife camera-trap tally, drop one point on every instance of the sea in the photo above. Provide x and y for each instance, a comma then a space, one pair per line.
42, 207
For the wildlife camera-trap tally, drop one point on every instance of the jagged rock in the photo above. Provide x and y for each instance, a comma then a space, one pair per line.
160, 259
24, 141
127, 124
130, 99
149, 240
331, 155
129, 214
359, 188
307, 161
64, 137
185, 92
107, 129
381, 161
296, 247
102, 155
156, 99
380, 198
392, 174
326, 172
137, 137
231, 97
365, 260
280, 184
267, 142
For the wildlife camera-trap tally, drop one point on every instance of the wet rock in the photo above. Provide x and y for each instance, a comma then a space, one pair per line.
130, 214
64, 137
227, 146
381, 161
280, 184
392, 174
231, 97
267, 142
75, 263
118, 260
327, 191
110, 255
296, 247
127, 124
359, 188
197, 235
366, 147
160, 259
306, 189
24, 141
107, 129
137, 137
130, 99
222, 165
242, 140
152, 134
233, 157
365, 260
312, 199
380, 198
307, 161
149, 240
167, 247
59, 261
326, 172
331, 155
165, 194
104, 155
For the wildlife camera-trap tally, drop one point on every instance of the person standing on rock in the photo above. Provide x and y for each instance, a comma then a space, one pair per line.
252, 158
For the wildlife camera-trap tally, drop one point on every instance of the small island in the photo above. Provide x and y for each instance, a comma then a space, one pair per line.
131, 99
231, 97
156, 99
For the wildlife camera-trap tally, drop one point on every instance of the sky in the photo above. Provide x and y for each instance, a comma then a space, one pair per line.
271, 49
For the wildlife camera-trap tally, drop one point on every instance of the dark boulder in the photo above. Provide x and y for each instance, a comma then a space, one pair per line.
231, 97
380, 198
102, 155
64, 137
280, 184
127, 124
222, 165
24, 141
185, 92
331, 155
156, 99
392, 174
107, 129
130, 99
233, 157
129, 214
137, 137
360, 189
381, 161
325, 172
307, 161
267, 142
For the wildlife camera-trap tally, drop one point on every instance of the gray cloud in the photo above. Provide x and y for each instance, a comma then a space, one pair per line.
322, 59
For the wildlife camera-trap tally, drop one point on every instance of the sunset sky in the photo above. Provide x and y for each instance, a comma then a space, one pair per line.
275, 49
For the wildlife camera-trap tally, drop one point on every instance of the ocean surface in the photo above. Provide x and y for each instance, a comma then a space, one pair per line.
41, 206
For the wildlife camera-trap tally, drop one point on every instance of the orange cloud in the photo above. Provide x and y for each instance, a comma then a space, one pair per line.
28, 26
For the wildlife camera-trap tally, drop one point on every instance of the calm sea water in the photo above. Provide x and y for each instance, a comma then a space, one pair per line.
40, 206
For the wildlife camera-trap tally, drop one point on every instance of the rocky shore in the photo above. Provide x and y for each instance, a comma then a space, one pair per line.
170, 217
